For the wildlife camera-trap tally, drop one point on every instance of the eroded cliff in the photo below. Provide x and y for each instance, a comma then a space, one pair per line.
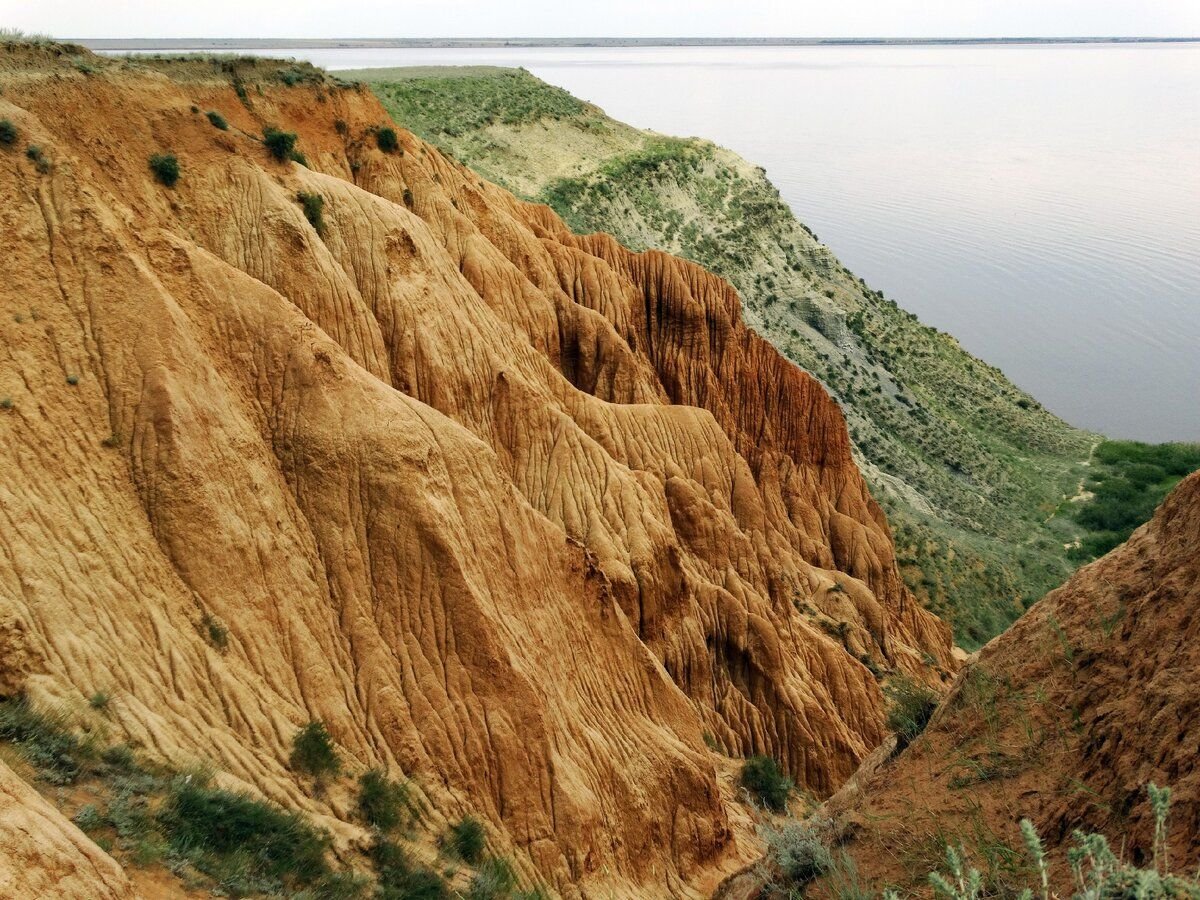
530, 518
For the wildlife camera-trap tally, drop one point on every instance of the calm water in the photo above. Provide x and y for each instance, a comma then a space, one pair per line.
1042, 204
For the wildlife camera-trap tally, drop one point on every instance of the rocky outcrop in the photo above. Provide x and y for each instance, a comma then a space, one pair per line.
527, 516
1064, 719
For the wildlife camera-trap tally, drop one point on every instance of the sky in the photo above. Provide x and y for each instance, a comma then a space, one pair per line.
612, 18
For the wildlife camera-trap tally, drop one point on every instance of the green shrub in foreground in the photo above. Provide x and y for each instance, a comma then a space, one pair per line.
217, 120
165, 168
220, 830
797, 852
43, 739
8, 132
763, 778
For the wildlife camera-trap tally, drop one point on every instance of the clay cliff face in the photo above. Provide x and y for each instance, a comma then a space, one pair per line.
521, 514
1064, 719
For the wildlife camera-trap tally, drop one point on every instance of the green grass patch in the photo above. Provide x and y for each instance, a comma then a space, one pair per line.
764, 780
1129, 480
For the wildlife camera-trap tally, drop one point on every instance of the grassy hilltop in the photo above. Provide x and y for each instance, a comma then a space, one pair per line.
976, 476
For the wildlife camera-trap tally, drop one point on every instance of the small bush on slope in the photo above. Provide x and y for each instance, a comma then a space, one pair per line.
43, 739
383, 803
763, 778
399, 879
8, 132
165, 168
314, 210
224, 832
217, 120
912, 706
386, 139
797, 852
466, 839
313, 752
282, 144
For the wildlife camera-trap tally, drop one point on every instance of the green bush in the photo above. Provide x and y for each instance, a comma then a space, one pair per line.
43, 739
797, 852
314, 209
399, 879
8, 132
911, 707
165, 168
382, 803
387, 140
313, 752
40, 161
282, 144
99, 700
466, 839
765, 781
214, 632
217, 120
222, 831
495, 880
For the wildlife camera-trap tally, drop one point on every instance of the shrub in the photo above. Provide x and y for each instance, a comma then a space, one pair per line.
43, 739
797, 852
387, 140
280, 143
214, 632
72, 380
408, 198
98, 700
763, 778
221, 830
466, 839
495, 879
399, 879
217, 120
382, 803
39, 159
313, 752
314, 208
911, 707
165, 168
8, 132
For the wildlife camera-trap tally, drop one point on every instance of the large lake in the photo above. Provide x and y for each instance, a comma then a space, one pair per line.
1040, 203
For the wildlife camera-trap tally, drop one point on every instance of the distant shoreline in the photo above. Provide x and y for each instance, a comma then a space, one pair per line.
170, 44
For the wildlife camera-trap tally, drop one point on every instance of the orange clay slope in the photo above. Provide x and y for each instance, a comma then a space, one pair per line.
1064, 719
520, 514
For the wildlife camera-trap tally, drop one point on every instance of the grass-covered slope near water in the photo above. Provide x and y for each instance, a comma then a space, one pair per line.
973, 472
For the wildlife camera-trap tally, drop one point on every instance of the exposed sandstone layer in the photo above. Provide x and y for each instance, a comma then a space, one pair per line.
521, 514
1064, 720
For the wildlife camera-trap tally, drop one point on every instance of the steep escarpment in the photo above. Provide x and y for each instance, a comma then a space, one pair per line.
971, 469
528, 518
1064, 720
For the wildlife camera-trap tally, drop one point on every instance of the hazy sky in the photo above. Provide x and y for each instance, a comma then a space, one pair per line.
551, 18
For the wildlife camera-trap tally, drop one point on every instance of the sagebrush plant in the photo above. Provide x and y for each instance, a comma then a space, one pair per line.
911, 706
8, 132
797, 852
165, 168
313, 752
1097, 872
764, 780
